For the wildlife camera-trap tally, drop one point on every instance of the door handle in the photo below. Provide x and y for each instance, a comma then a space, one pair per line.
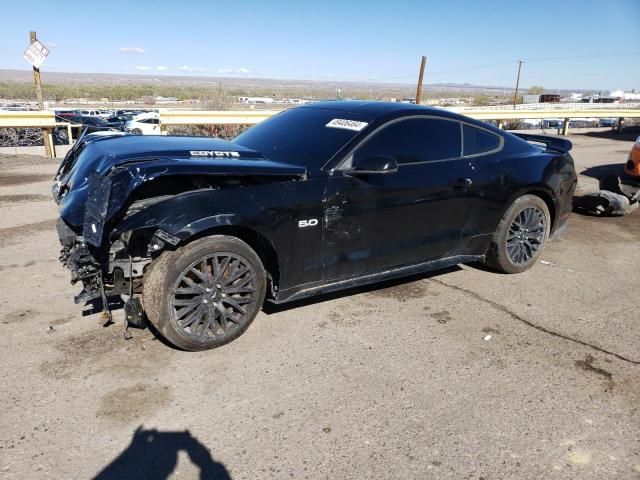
461, 183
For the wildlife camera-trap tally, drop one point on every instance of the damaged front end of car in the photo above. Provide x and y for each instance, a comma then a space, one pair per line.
124, 201
104, 266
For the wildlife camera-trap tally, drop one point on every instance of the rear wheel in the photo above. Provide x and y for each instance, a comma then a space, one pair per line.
521, 235
205, 294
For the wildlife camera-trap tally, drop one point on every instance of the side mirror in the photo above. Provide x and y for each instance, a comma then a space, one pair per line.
373, 164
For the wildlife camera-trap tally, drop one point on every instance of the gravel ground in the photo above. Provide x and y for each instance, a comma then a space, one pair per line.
463, 373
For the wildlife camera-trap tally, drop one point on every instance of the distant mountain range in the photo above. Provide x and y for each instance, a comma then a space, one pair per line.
249, 84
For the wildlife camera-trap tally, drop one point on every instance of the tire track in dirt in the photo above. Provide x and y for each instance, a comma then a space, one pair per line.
9, 180
23, 198
125, 404
11, 235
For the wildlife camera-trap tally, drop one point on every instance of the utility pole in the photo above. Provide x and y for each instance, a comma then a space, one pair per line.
36, 76
420, 77
47, 136
515, 95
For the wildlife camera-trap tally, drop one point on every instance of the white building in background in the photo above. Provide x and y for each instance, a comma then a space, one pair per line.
631, 95
611, 96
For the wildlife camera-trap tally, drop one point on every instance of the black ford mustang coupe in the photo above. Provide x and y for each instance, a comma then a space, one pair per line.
197, 232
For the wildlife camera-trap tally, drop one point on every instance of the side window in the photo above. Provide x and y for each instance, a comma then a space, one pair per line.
477, 141
416, 140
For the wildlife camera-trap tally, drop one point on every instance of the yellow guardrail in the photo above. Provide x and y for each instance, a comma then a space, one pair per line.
43, 119
551, 113
46, 119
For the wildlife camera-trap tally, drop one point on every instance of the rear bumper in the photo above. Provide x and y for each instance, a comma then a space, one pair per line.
563, 205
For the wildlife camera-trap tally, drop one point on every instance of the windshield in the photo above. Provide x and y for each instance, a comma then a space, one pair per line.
300, 136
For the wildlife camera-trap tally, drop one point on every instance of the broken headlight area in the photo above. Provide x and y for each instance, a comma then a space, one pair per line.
79, 259
117, 272
84, 267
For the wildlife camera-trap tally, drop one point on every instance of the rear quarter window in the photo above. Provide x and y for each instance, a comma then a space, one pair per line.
477, 141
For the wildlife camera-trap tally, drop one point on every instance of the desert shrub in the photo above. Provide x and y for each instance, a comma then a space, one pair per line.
225, 132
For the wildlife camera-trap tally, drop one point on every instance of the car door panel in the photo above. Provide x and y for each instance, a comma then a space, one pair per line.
383, 221
380, 221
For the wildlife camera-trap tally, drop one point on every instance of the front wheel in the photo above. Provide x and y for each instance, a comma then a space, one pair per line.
521, 235
205, 294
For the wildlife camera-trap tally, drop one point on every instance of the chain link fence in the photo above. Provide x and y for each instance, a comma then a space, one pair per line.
30, 137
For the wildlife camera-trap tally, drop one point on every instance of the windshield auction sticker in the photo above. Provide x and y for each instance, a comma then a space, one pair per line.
346, 124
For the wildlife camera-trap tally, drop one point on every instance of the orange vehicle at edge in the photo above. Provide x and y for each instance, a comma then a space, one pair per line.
632, 166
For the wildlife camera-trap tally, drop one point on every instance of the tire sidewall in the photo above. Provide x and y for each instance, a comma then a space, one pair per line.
500, 239
174, 264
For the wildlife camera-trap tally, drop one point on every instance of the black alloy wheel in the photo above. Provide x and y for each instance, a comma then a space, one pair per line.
520, 236
206, 293
526, 235
212, 296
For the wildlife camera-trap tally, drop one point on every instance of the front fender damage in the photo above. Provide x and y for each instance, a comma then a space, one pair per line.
137, 211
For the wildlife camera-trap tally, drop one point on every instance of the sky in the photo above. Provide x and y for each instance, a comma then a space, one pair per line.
565, 44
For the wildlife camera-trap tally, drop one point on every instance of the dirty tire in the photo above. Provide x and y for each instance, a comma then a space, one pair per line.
169, 274
498, 256
136, 131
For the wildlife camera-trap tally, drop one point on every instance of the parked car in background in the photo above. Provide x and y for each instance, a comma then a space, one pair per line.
133, 112
95, 113
552, 123
608, 122
196, 232
583, 122
119, 121
64, 116
144, 124
121, 117
92, 123
85, 122
88, 113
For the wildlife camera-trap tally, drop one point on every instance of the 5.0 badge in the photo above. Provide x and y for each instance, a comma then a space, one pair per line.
312, 222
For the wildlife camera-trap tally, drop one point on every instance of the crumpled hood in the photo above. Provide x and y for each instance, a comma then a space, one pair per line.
92, 185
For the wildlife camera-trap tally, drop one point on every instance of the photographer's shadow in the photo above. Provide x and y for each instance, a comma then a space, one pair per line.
153, 455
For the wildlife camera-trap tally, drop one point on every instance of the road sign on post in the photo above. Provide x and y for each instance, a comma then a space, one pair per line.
35, 54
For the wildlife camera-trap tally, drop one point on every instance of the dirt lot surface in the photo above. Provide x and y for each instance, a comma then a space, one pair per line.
464, 373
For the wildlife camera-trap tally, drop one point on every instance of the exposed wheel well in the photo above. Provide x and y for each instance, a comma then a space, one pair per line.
257, 242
